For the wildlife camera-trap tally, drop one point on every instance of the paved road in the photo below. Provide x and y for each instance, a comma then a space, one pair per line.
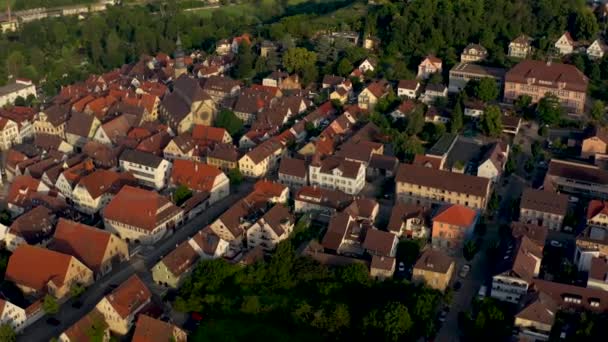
42, 331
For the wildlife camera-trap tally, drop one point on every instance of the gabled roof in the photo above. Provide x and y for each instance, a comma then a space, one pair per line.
35, 267
456, 215
81, 330
69, 237
439, 179
434, 260
595, 208
194, 175
551, 75
293, 167
408, 84
103, 181
226, 152
544, 201
338, 225
139, 208
210, 133
378, 241
181, 259
141, 158
379, 88
278, 217
347, 168
129, 296
536, 234
149, 329
405, 211
34, 226
334, 199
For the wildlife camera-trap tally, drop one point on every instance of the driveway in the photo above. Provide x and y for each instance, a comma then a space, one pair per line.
41, 331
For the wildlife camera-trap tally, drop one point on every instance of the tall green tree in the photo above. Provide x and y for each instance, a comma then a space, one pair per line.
302, 61
598, 111
50, 305
7, 333
487, 89
344, 67
228, 120
549, 111
244, 61
491, 121
585, 25
457, 119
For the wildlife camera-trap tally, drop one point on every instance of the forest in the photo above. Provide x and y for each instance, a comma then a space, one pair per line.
297, 297
61, 50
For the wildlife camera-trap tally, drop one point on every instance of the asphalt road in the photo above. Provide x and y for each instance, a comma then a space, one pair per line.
68, 315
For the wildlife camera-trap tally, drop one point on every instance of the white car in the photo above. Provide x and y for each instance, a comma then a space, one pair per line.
573, 199
401, 266
555, 243
464, 271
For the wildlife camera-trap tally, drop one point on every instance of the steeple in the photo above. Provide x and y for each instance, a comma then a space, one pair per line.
179, 66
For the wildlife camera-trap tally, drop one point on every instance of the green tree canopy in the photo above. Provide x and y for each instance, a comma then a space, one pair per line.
344, 67
585, 25
7, 333
549, 111
491, 121
50, 305
598, 111
244, 61
302, 61
228, 120
487, 89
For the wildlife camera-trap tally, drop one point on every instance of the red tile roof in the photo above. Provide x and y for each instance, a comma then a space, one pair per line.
548, 75
21, 190
456, 215
81, 330
196, 176
595, 208
34, 267
127, 298
68, 239
103, 181
203, 132
139, 208
149, 329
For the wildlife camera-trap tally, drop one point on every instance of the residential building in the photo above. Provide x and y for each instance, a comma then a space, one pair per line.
577, 179
452, 225
52, 120
13, 316
148, 329
473, 53
493, 162
150, 170
184, 146
434, 268
293, 172
597, 49
565, 44
591, 243
34, 227
537, 78
37, 271
544, 208
462, 73
597, 214
102, 250
81, 330
474, 109
200, 177
382, 267
221, 88
537, 234
375, 91
423, 185
516, 272
381, 166
173, 268
21, 191
408, 88
121, 306
223, 156
139, 215
380, 243
21, 88
262, 159
319, 202
433, 92
595, 143
9, 134
521, 47
429, 65
273, 227
95, 190
598, 274
68, 179
410, 221
211, 134
338, 173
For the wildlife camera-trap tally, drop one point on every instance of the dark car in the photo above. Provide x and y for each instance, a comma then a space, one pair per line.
53, 321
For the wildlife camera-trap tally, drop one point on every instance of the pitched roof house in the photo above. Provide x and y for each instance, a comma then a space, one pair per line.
544, 208
34, 227
122, 305
95, 190
142, 215
81, 330
200, 177
37, 270
452, 225
565, 44
434, 268
429, 65
148, 329
99, 254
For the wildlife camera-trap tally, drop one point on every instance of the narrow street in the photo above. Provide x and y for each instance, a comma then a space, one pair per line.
68, 315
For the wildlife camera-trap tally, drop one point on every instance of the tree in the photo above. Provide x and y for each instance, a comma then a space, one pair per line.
244, 61
7, 333
114, 53
181, 194
14, 63
585, 25
97, 330
50, 305
598, 111
77, 290
457, 118
302, 61
549, 110
228, 120
324, 49
415, 122
392, 322
235, 176
522, 105
491, 121
20, 101
344, 67
469, 250
487, 89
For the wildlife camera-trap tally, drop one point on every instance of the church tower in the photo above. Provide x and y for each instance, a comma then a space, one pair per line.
179, 66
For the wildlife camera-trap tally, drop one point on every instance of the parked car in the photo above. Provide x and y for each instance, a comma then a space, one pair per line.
401, 266
442, 316
483, 292
555, 243
573, 199
464, 271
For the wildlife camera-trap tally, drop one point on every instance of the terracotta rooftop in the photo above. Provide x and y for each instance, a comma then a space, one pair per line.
334, 199
129, 296
203, 132
148, 329
35, 267
140, 208
537, 234
195, 175
34, 226
293, 167
226, 152
81, 330
596, 207
443, 180
378, 241
548, 75
68, 239
181, 259
103, 181
405, 211
456, 215
383, 263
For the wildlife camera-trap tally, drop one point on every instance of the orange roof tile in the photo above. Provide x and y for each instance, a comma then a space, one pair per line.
149, 329
456, 215
129, 296
196, 176
34, 267
202, 132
